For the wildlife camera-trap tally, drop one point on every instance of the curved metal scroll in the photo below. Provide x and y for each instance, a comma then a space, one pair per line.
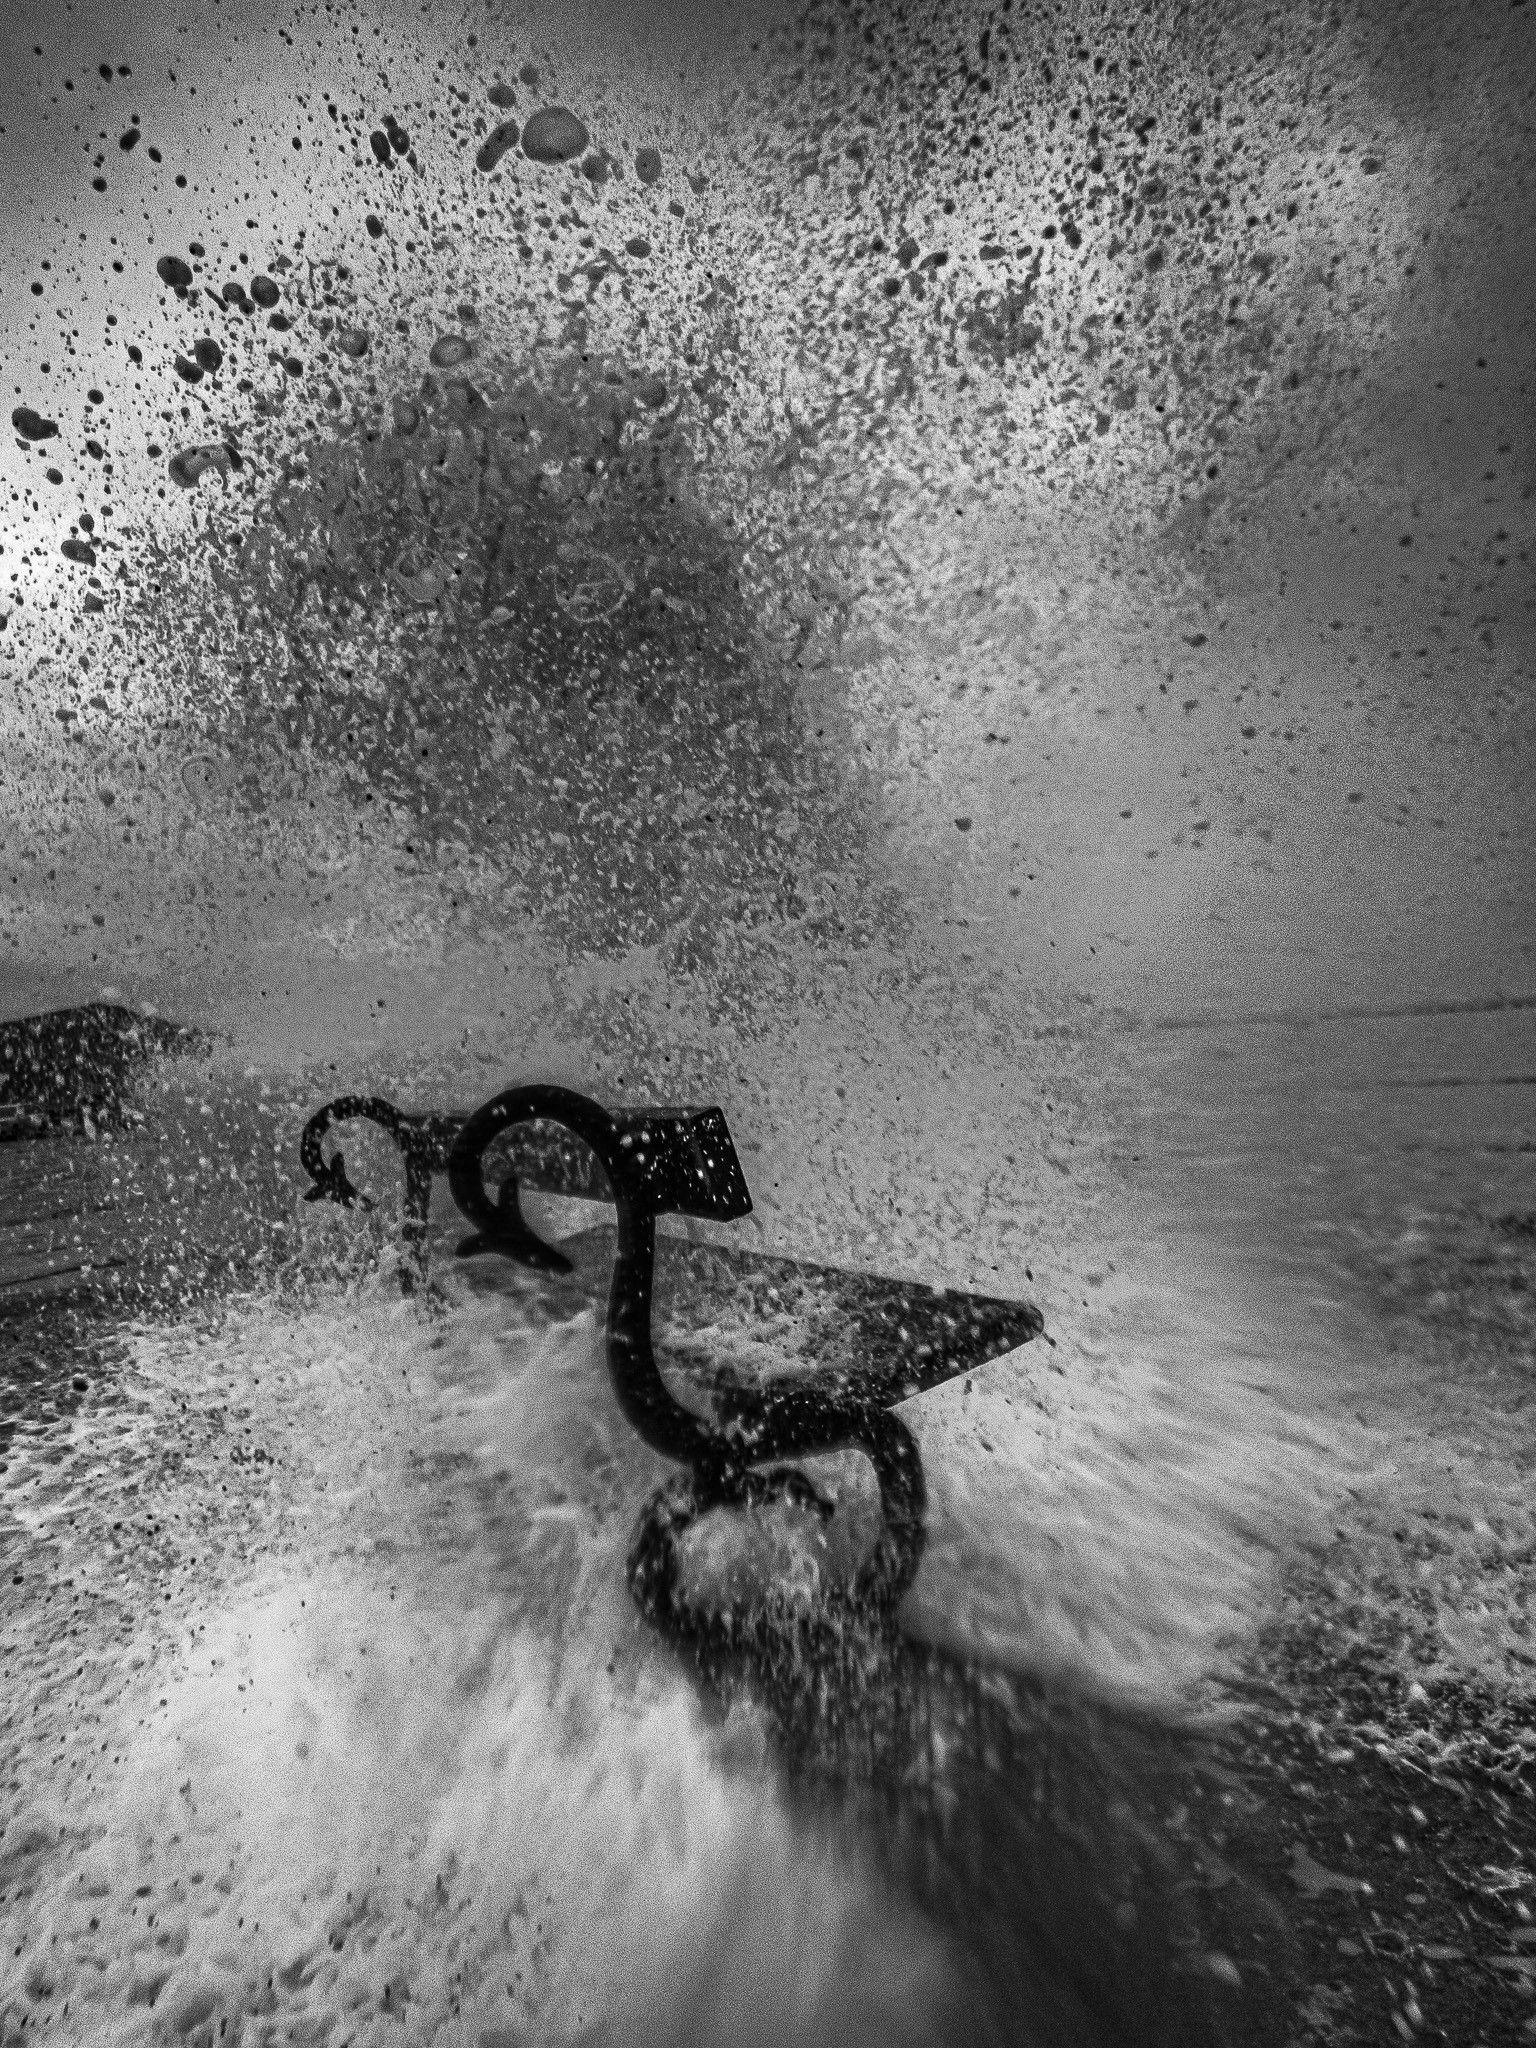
666, 1161
424, 1143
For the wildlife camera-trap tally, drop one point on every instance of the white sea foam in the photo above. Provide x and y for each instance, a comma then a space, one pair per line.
419, 1775
420, 1772
1117, 1513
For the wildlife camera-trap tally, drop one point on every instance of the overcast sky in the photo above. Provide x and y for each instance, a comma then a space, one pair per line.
1209, 609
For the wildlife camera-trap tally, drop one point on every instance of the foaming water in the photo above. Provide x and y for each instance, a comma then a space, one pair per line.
1119, 1516
399, 1754
413, 1768
417, 1818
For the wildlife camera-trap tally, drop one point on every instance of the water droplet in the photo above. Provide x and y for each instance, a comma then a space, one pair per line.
189, 465
172, 270
31, 425
420, 575
495, 146
554, 135
588, 584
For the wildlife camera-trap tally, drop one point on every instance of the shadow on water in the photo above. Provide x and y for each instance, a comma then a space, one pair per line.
1028, 1826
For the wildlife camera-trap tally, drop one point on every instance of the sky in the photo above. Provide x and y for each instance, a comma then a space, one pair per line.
1115, 445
